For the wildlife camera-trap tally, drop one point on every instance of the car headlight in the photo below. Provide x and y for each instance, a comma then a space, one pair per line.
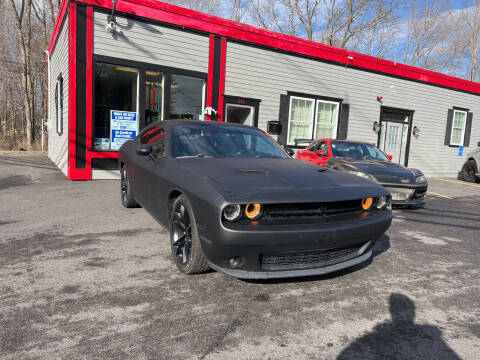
362, 174
232, 212
421, 179
383, 203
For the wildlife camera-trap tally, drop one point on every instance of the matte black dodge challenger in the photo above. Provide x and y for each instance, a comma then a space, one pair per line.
234, 201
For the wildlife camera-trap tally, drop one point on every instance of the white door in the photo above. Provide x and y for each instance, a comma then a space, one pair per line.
393, 140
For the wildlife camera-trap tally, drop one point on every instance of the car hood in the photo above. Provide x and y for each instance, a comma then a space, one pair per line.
384, 172
278, 179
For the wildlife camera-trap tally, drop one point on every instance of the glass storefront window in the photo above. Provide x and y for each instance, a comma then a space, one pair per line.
187, 97
115, 89
153, 96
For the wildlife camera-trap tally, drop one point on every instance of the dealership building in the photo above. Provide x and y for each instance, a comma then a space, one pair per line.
111, 73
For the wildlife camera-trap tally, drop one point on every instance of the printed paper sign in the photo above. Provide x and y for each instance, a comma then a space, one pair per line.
101, 143
123, 127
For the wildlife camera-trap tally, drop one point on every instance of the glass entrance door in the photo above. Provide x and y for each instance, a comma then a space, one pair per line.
394, 134
240, 114
241, 110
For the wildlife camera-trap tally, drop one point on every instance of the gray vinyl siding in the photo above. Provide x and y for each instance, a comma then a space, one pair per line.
144, 42
263, 74
58, 144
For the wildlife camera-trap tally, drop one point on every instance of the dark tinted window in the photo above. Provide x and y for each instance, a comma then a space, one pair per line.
357, 151
156, 138
219, 141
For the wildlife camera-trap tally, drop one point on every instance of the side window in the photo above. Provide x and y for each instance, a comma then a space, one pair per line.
323, 146
59, 105
156, 138
314, 146
459, 127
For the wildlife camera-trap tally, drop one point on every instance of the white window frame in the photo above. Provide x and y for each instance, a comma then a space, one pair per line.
290, 115
463, 130
335, 129
313, 124
59, 105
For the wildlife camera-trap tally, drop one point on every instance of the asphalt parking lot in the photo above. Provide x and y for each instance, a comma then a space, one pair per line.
82, 277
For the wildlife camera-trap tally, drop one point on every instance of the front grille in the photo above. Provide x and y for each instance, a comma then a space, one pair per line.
307, 259
400, 193
301, 214
310, 209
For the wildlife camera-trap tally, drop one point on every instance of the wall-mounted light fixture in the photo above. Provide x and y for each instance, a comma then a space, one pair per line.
416, 131
376, 126
112, 26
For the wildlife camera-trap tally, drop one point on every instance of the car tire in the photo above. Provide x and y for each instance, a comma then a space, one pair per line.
126, 192
469, 170
185, 243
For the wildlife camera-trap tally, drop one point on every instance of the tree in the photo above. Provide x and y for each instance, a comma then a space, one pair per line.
427, 32
24, 36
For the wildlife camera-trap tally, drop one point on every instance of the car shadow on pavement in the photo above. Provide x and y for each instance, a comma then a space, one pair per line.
382, 245
400, 337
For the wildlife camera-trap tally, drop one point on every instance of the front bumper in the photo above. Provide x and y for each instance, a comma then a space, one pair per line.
407, 194
243, 274
294, 250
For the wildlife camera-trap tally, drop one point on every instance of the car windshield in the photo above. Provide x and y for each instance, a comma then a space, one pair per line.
357, 151
220, 141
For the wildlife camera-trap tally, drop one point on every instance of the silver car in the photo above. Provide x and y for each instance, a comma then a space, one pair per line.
470, 168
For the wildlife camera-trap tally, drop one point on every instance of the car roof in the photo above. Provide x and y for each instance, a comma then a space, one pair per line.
348, 141
206, 123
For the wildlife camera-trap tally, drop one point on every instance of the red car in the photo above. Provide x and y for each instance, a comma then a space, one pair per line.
407, 186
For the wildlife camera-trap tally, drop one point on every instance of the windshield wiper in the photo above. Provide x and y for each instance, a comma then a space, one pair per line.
195, 156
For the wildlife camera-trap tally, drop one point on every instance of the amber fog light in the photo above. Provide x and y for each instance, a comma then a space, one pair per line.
253, 211
367, 203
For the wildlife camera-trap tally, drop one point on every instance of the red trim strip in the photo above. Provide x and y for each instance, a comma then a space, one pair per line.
58, 25
72, 94
167, 13
211, 52
101, 155
221, 88
73, 173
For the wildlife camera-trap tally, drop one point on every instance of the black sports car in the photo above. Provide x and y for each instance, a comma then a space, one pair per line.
234, 201
407, 186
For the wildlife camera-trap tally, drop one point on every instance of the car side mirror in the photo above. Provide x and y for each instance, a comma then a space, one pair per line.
389, 157
320, 153
144, 150
289, 151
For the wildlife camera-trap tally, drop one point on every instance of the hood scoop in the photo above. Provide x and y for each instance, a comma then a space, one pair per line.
253, 172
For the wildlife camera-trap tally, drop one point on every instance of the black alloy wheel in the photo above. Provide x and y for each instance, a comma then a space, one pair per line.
469, 171
181, 234
128, 200
186, 249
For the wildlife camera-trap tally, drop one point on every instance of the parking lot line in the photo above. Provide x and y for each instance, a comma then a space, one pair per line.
459, 182
437, 194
